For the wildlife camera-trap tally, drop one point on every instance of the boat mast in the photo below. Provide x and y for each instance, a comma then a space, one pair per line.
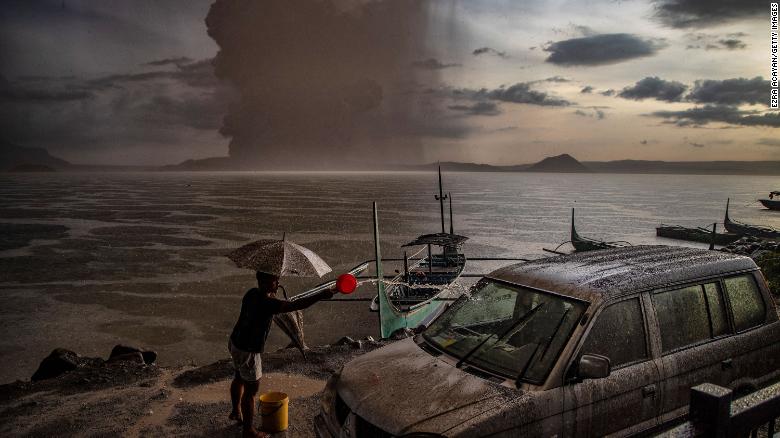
449, 195
441, 197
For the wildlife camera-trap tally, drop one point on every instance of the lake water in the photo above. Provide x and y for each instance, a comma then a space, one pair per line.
91, 260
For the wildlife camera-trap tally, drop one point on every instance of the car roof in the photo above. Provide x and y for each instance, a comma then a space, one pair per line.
610, 273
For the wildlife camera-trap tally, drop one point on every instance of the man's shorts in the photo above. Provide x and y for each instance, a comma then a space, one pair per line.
248, 365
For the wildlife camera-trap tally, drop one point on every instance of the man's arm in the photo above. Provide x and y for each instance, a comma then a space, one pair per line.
292, 306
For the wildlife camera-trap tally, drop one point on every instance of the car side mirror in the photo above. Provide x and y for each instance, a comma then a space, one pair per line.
593, 366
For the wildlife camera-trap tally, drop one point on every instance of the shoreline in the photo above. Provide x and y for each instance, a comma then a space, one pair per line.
135, 400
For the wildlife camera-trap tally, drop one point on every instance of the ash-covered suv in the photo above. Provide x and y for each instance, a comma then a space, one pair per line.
605, 342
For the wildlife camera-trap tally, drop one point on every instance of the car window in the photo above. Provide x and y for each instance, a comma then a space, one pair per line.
746, 302
682, 317
507, 329
619, 334
719, 323
690, 315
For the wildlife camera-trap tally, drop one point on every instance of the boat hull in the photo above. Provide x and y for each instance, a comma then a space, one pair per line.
695, 235
770, 204
747, 230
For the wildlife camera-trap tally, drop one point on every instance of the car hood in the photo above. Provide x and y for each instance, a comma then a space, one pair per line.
401, 389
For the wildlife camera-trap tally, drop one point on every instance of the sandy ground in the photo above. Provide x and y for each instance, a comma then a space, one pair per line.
147, 401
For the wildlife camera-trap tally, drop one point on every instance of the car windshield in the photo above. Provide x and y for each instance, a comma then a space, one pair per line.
507, 329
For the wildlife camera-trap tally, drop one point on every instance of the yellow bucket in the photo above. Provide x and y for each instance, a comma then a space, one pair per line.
273, 411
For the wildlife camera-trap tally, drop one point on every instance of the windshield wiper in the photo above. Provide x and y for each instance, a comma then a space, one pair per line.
544, 350
522, 319
555, 332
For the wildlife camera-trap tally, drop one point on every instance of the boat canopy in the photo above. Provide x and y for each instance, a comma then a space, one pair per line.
438, 239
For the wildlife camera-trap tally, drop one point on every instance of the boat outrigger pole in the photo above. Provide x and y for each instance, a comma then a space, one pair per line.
380, 284
441, 197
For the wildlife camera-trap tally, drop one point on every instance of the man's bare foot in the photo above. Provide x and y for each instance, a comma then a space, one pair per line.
254, 433
236, 416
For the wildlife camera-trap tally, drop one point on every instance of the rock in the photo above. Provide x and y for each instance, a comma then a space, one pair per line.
401, 333
755, 255
346, 340
133, 358
149, 357
370, 339
59, 362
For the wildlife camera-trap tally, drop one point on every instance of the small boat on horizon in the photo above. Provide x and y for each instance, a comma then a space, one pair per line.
748, 229
771, 203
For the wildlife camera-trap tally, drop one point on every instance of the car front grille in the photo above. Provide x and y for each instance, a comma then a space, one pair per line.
364, 429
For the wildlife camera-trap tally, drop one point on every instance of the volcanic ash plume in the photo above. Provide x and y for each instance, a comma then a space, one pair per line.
321, 81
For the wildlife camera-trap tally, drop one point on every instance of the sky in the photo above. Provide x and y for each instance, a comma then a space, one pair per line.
319, 83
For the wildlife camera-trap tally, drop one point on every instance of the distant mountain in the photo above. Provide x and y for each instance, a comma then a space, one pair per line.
203, 164
687, 167
32, 168
561, 163
12, 156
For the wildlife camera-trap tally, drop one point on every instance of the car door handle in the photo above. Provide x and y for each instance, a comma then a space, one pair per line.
726, 364
648, 390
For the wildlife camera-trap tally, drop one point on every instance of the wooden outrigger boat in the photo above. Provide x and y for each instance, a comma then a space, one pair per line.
748, 229
697, 234
423, 290
419, 293
581, 243
771, 203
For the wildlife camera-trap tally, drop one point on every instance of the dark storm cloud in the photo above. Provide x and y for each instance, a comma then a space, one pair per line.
117, 110
700, 116
730, 91
195, 74
587, 89
696, 145
705, 13
706, 41
477, 109
321, 80
774, 142
10, 93
592, 112
608, 93
489, 51
170, 61
522, 92
732, 44
558, 79
432, 64
654, 88
601, 49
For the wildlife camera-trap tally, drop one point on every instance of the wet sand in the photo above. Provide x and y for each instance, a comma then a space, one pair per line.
147, 401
